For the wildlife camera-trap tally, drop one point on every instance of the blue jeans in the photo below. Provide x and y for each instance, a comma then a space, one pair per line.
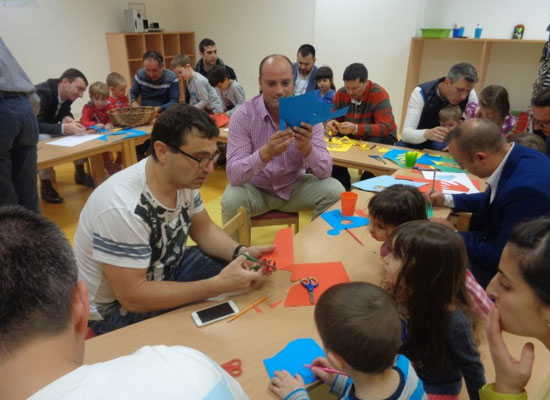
194, 266
428, 144
18, 138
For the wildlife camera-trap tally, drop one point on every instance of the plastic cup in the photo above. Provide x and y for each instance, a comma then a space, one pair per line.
348, 201
456, 32
477, 33
410, 158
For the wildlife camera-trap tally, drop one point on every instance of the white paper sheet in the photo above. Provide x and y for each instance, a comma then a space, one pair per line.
73, 140
452, 177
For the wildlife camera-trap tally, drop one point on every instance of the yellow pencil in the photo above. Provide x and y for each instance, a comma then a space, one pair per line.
249, 307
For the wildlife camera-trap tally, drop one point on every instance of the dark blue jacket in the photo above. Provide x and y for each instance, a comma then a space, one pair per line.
312, 82
49, 119
523, 192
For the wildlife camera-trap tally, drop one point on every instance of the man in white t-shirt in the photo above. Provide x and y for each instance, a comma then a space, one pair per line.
304, 70
43, 324
421, 127
130, 244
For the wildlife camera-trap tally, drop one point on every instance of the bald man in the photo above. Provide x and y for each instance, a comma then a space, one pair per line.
516, 190
273, 169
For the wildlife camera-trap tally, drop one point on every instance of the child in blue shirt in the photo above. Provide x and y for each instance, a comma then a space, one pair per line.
326, 90
361, 332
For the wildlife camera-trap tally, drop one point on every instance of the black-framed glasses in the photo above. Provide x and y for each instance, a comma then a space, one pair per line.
202, 162
544, 124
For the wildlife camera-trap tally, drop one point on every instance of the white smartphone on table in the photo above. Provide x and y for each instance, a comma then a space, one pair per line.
214, 313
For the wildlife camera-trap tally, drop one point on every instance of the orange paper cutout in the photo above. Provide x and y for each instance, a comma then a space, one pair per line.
258, 309
220, 119
328, 274
283, 255
428, 183
275, 304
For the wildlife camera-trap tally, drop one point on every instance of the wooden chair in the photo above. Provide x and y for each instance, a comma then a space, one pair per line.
276, 217
239, 224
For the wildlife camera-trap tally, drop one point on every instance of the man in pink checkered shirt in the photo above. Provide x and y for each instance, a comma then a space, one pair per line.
272, 169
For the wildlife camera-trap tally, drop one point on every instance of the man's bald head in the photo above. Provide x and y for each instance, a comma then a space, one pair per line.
272, 59
475, 135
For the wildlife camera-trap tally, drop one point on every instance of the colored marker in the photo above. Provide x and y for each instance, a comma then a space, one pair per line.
329, 370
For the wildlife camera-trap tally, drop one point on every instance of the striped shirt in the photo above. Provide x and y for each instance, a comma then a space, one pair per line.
122, 224
162, 93
249, 129
374, 115
409, 387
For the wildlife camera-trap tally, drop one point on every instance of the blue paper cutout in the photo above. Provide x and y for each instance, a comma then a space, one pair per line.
379, 183
132, 133
98, 129
305, 108
397, 156
293, 357
335, 218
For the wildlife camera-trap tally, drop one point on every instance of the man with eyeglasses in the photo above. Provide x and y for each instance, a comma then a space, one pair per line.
130, 244
155, 85
540, 106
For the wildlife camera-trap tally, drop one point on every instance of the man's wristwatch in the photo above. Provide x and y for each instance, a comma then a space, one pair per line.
237, 250
355, 129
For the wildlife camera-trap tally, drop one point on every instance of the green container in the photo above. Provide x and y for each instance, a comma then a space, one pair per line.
435, 32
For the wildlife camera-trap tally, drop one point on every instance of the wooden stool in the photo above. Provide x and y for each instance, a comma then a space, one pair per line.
276, 217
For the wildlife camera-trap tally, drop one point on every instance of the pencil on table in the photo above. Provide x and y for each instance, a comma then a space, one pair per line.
353, 236
249, 307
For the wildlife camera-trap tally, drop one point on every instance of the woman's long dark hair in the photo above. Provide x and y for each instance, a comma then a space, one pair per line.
430, 284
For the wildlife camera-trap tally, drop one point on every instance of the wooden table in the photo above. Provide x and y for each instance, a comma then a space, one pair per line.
50, 156
357, 158
254, 336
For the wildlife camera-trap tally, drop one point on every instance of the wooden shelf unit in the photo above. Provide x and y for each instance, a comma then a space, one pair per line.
126, 49
510, 63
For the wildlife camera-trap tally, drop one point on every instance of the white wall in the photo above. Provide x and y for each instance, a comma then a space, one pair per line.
496, 17
245, 31
60, 34
375, 33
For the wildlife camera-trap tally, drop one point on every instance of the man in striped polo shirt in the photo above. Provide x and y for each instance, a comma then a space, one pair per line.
369, 116
154, 85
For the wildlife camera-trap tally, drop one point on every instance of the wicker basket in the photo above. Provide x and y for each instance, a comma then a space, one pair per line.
132, 116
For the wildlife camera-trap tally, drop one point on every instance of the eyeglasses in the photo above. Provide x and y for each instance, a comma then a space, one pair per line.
203, 162
543, 124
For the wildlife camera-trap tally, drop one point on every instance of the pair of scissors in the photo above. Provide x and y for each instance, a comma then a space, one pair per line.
377, 158
233, 367
310, 283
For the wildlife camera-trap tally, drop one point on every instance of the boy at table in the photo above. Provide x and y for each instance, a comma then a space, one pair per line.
130, 243
43, 325
361, 333
117, 87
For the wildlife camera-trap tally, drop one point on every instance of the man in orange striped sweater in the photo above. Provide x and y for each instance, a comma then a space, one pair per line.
369, 116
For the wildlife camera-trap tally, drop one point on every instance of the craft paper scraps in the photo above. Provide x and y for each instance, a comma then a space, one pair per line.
453, 183
293, 357
338, 144
283, 255
427, 183
335, 219
381, 182
328, 274
305, 108
131, 133
444, 164
397, 156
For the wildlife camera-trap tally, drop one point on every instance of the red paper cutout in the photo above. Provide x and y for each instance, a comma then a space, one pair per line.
220, 119
459, 187
428, 183
258, 309
328, 274
283, 255
275, 304
362, 212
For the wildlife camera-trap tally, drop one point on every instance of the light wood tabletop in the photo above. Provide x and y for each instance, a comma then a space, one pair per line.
254, 336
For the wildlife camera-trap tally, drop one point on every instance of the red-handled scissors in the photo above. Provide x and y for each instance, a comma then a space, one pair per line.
310, 283
233, 367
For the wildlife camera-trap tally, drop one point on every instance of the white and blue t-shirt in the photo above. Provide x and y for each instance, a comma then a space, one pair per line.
122, 224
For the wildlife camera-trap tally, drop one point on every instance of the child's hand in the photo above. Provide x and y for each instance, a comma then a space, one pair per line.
109, 126
326, 377
283, 384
